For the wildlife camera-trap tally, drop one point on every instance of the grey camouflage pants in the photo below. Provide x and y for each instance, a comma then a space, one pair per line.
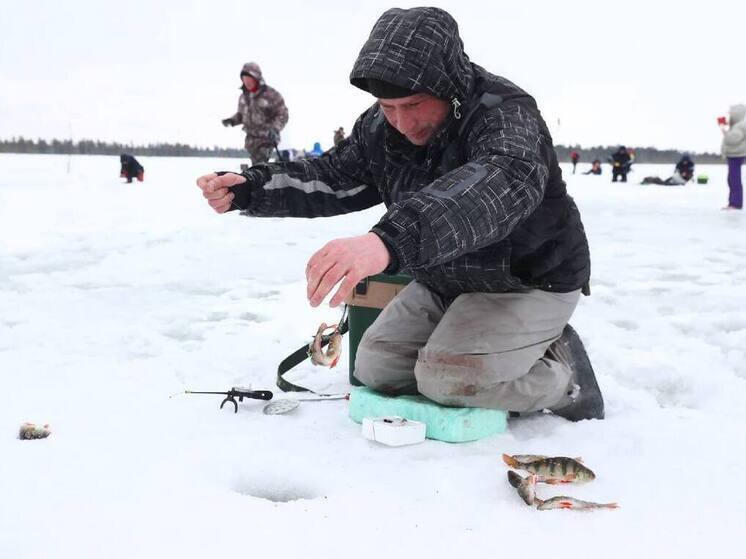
259, 149
485, 350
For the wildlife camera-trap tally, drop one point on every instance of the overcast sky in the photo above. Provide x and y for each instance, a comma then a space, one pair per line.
634, 72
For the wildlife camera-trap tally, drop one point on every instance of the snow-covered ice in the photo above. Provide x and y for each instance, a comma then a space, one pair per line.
114, 297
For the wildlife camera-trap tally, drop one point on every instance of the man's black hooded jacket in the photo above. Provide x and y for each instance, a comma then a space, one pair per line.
481, 208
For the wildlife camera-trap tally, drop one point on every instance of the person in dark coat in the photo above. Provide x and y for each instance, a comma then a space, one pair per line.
574, 157
595, 168
476, 212
131, 168
621, 162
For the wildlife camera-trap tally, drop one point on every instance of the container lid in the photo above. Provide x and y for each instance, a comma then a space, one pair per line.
402, 279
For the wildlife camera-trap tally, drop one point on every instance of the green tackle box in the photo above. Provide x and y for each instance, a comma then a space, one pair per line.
365, 303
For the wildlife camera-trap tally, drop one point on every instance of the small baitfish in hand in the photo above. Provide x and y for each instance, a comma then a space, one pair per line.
332, 354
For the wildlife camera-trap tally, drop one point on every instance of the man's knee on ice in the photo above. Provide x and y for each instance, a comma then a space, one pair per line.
374, 380
383, 370
445, 382
366, 370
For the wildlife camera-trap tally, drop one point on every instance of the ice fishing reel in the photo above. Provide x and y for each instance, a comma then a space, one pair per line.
278, 407
238, 392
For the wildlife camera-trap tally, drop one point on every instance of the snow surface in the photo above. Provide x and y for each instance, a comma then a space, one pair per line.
114, 297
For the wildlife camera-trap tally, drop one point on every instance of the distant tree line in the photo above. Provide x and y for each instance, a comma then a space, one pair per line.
642, 155
96, 147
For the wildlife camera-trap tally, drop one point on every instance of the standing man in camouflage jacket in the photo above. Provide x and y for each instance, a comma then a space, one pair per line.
476, 211
262, 111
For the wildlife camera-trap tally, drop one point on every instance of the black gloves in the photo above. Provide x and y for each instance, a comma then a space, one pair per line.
245, 192
227, 122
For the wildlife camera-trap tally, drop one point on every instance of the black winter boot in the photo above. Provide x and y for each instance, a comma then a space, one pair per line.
583, 399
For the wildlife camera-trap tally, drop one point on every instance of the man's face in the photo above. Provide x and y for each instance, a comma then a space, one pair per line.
417, 117
249, 82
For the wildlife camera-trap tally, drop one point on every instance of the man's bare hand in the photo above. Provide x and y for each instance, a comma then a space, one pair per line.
347, 260
215, 190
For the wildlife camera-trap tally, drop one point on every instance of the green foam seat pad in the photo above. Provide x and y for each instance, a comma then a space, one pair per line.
451, 425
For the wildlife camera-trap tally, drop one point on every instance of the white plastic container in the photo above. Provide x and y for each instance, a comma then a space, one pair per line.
393, 431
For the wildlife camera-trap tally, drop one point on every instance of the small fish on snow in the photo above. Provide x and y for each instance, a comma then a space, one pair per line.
563, 502
33, 431
552, 469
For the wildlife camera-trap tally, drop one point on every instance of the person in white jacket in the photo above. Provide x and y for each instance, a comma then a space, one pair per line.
734, 150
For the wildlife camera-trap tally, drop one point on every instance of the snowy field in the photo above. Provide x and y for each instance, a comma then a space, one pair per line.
114, 297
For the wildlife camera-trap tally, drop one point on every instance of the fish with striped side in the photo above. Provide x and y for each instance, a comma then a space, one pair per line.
551, 469
563, 502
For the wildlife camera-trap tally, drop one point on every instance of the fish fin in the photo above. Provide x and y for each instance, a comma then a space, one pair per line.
578, 459
611, 505
548, 480
510, 461
566, 504
334, 362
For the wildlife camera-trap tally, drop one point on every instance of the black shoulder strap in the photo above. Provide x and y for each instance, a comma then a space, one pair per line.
453, 154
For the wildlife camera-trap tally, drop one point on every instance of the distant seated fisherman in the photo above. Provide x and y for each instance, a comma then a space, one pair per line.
685, 168
131, 168
595, 168
476, 211
682, 174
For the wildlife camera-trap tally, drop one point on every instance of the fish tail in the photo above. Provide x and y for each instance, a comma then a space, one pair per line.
510, 461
